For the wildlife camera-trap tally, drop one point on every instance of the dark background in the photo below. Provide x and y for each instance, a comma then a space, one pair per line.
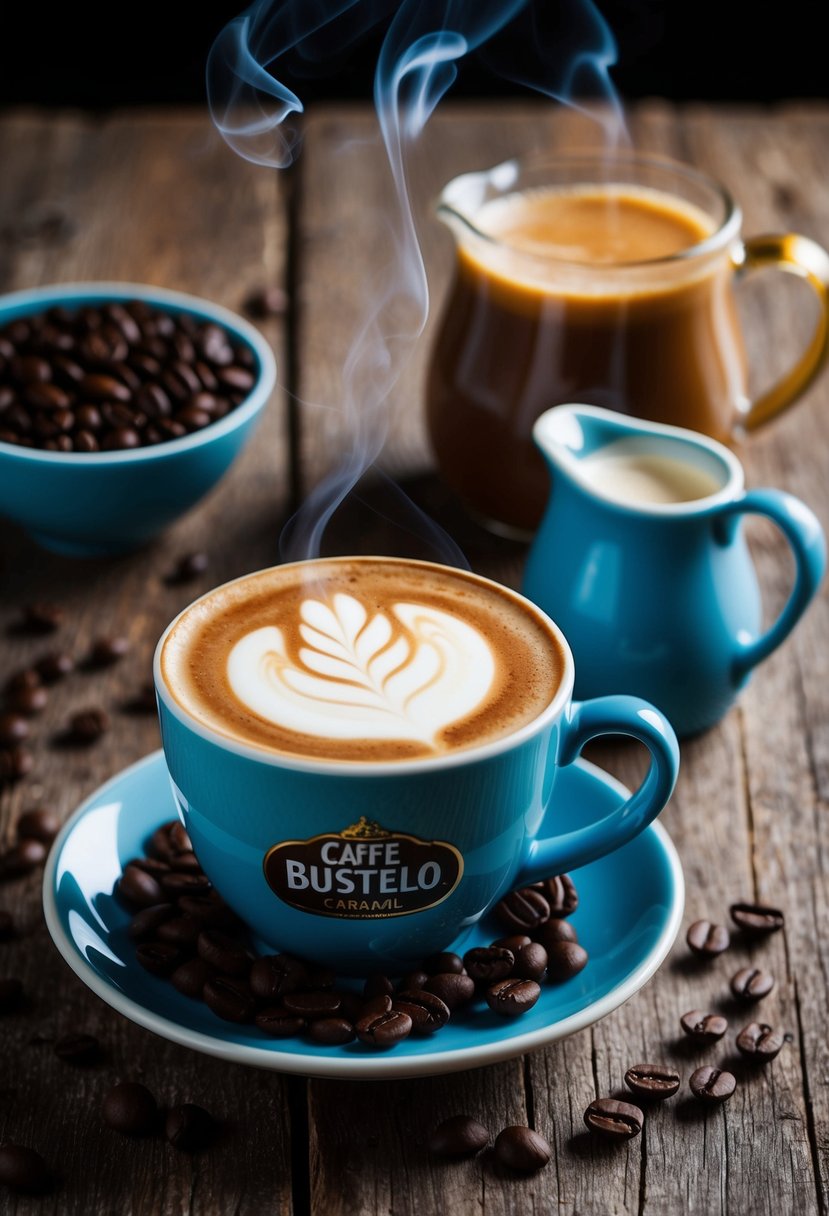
97, 54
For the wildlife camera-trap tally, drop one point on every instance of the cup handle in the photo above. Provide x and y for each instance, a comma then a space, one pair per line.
802, 530
616, 715
801, 256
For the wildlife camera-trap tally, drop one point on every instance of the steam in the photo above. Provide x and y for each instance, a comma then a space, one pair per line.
558, 50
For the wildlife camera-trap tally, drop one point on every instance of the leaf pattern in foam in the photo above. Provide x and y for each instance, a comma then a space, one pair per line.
405, 674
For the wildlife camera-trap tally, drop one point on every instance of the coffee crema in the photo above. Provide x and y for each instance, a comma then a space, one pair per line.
362, 659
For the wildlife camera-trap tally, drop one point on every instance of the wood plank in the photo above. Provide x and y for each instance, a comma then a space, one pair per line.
155, 198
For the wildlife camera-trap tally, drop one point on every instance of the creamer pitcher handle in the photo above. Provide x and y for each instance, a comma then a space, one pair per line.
801, 256
803, 532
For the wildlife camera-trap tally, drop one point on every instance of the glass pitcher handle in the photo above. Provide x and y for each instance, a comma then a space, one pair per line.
801, 256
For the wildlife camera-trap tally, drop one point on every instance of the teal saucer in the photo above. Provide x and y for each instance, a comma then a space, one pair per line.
630, 908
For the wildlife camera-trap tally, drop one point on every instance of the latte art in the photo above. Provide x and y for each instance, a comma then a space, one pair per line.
402, 674
363, 659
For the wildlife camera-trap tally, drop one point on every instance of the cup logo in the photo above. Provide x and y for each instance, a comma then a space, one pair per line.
405, 673
363, 872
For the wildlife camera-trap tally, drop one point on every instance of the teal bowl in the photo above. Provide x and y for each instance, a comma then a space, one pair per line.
103, 503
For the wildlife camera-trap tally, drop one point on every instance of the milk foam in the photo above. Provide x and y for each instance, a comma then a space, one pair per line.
404, 673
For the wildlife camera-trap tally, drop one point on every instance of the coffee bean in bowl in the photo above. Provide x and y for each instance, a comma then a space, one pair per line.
123, 405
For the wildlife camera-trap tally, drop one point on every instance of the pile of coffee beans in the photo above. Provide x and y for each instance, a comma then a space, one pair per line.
116, 376
183, 931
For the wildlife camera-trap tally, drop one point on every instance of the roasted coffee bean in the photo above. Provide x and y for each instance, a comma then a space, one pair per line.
707, 939
177, 884
530, 962
186, 863
27, 678
560, 893
6, 925
42, 617
427, 1011
615, 1120
486, 964
15, 762
653, 1081
272, 976
414, 980
564, 960
555, 930
310, 1005
384, 1029
210, 909
159, 843
131, 1109
224, 953
280, 1023
23, 1169
39, 824
751, 984
189, 1127
11, 994
179, 839
22, 858
266, 302
81, 1049
188, 567
229, 998
29, 701
374, 1004
54, 666
454, 990
146, 923
515, 942
180, 930
520, 1148
460, 1136
190, 978
510, 998
138, 888
151, 865
703, 1027
377, 985
331, 1032
445, 963
142, 702
353, 1005
712, 1084
88, 725
159, 958
757, 919
760, 1042
525, 908
106, 651
13, 729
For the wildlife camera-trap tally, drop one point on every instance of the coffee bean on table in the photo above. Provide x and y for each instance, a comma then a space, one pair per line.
39, 824
106, 651
757, 919
29, 701
6, 925
188, 567
458, 1136
331, 1032
22, 680
229, 998
445, 963
427, 1011
131, 1109
88, 725
384, 1029
15, 763
280, 1023
138, 888
489, 963
614, 1120
42, 617
703, 1027
511, 997
190, 978
712, 1084
54, 666
454, 990
707, 939
266, 302
78, 1048
530, 961
189, 1127
520, 1148
22, 858
11, 994
223, 952
653, 1081
142, 702
561, 894
751, 984
13, 729
159, 958
23, 1169
525, 908
564, 960
759, 1042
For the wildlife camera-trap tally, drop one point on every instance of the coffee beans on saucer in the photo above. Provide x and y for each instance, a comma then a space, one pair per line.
113, 377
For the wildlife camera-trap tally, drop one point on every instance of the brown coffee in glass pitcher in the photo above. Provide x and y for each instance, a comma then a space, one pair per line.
607, 281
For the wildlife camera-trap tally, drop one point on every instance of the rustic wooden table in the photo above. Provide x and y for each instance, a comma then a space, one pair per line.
157, 197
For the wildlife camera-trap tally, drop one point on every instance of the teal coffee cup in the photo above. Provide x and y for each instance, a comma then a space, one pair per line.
365, 864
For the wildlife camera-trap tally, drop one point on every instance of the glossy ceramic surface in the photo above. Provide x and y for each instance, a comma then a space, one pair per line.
484, 805
110, 502
630, 909
660, 600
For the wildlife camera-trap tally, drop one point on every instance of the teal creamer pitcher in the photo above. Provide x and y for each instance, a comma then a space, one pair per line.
659, 597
